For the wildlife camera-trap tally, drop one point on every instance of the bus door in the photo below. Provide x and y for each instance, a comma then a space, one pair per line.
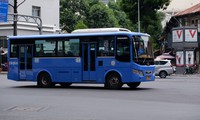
25, 62
89, 60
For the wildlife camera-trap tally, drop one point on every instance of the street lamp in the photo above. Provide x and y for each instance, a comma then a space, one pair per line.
138, 15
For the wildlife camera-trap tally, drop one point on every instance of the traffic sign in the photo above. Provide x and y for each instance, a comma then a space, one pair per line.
3, 10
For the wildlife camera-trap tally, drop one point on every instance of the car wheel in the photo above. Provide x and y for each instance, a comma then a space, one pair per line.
163, 74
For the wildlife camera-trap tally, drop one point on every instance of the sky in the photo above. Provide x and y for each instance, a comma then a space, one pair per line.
180, 5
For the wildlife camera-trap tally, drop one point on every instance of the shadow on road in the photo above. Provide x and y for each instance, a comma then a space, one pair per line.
83, 87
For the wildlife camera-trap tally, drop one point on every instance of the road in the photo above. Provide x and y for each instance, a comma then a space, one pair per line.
175, 98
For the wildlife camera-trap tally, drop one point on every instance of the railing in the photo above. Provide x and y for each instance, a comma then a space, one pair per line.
27, 19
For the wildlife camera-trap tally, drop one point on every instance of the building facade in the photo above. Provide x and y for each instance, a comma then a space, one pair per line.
47, 10
34, 17
182, 36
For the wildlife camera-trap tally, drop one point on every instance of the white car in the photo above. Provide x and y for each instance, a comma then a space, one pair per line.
164, 68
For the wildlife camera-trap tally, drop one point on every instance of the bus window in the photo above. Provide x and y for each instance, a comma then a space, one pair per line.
123, 49
45, 48
72, 47
106, 46
13, 50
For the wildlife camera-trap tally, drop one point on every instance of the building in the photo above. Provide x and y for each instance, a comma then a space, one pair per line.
30, 13
182, 36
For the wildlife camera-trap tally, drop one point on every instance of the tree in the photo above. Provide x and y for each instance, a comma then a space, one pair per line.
80, 25
149, 17
120, 15
71, 11
100, 16
92, 14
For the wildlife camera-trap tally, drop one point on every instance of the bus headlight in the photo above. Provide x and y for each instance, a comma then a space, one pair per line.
140, 73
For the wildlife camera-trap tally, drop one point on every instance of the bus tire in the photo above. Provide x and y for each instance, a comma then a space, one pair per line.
65, 84
133, 85
113, 81
44, 80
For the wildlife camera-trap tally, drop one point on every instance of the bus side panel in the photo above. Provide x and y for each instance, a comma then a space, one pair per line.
103, 65
106, 65
125, 71
61, 69
13, 72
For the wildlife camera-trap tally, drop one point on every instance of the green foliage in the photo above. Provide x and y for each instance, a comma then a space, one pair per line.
100, 16
121, 17
80, 25
150, 19
77, 14
92, 14
71, 11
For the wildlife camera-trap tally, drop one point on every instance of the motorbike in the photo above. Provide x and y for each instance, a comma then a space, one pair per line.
190, 70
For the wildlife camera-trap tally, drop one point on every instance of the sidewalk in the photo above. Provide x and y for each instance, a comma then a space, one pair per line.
3, 72
177, 74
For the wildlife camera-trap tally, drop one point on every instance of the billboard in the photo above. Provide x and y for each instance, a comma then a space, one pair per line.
179, 58
177, 36
189, 58
3, 10
191, 35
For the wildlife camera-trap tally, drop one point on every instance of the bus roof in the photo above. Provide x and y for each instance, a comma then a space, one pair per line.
97, 30
79, 35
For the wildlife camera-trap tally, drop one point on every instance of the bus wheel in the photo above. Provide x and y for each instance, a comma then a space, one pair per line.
133, 85
44, 80
113, 81
65, 84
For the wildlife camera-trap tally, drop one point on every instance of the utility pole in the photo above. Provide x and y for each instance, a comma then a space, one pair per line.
138, 15
15, 18
15, 6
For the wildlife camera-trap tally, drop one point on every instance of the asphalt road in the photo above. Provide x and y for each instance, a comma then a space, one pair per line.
175, 98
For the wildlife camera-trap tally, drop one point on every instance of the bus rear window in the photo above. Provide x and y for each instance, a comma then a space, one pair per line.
13, 50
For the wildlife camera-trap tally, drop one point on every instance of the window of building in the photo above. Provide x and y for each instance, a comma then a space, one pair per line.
196, 22
36, 11
3, 42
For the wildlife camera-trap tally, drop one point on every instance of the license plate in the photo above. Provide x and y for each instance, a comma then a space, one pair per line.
147, 77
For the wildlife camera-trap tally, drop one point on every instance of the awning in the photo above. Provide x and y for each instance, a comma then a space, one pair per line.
164, 56
4, 53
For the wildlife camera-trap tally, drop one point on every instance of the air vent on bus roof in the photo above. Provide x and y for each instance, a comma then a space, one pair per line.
95, 30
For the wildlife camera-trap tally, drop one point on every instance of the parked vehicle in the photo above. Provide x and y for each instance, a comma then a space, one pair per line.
164, 68
4, 67
190, 69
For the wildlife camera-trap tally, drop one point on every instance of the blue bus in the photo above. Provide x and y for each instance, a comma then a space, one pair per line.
109, 58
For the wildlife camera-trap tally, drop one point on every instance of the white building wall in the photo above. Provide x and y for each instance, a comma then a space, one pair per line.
49, 10
49, 15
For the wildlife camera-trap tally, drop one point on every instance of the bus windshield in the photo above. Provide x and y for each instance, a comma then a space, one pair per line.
142, 48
